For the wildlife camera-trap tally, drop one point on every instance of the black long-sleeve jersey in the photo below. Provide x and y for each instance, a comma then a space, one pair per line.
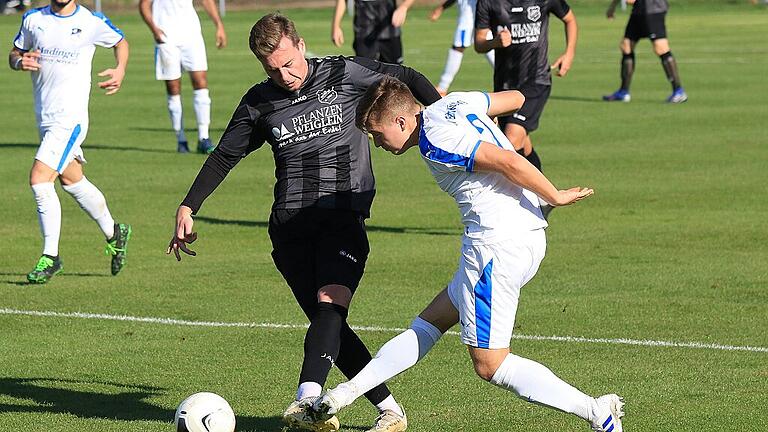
321, 158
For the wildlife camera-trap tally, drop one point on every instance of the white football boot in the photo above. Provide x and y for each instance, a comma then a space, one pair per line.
299, 414
610, 410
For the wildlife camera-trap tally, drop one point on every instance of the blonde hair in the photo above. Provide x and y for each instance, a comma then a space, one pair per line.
383, 100
267, 33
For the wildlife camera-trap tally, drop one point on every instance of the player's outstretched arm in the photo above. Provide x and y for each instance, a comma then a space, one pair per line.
490, 157
23, 60
183, 233
564, 62
337, 34
505, 102
610, 13
213, 11
117, 73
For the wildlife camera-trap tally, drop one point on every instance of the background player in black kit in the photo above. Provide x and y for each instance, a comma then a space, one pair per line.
377, 30
520, 29
305, 111
646, 20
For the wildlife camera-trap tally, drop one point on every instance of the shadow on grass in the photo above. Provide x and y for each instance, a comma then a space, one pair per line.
126, 403
578, 99
370, 228
22, 281
169, 131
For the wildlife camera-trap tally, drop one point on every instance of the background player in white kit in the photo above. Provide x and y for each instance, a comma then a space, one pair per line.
503, 245
179, 45
58, 53
463, 38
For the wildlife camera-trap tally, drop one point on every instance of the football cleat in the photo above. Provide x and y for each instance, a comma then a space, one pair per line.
390, 421
618, 96
677, 96
610, 411
204, 146
117, 246
182, 147
334, 400
300, 414
46, 268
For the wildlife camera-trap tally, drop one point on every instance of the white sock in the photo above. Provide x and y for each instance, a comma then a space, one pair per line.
49, 216
390, 404
395, 356
452, 65
534, 382
491, 57
93, 202
202, 104
308, 389
177, 116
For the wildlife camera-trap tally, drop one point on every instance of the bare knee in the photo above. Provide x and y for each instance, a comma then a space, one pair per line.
199, 80
487, 361
459, 49
173, 87
336, 294
660, 46
485, 370
626, 46
516, 135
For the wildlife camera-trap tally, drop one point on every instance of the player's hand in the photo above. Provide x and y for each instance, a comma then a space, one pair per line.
112, 85
337, 36
183, 234
398, 16
563, 64
29, 61
159, 36
503, 38
221, 38
610, 13
570, 196
436, 12
630, 2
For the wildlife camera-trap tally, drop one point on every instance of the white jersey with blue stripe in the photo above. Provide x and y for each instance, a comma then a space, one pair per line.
62, 86
492, 208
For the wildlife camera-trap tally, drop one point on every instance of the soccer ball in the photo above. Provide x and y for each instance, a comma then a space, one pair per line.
204, 412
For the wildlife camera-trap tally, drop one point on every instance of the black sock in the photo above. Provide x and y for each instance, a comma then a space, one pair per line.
533, 158
321, 344
669, 64
353, 357
627, 69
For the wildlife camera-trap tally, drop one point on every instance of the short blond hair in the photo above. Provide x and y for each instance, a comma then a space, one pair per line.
382, 101
267, 33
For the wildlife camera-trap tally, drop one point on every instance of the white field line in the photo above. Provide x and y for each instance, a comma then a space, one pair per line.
267, 325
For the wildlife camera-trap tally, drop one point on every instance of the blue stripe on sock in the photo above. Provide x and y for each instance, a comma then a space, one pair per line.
608, 420
609, 429
70, 143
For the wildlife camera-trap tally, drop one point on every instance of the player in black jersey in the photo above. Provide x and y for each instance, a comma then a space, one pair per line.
305, 110
520, 29
646, 20
377, 26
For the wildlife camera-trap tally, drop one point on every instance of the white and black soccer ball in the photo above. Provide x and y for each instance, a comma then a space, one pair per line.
204, 412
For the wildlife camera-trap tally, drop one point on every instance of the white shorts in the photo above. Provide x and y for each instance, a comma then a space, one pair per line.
465, 24
60, 144
486, 287
171, 57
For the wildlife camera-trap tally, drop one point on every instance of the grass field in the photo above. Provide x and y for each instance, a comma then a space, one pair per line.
672, 247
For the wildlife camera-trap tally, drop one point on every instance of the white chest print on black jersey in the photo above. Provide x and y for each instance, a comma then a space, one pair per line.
326, 119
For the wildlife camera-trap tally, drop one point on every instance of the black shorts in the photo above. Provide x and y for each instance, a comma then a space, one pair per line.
383, 50
528, 116
315, 247
649, 26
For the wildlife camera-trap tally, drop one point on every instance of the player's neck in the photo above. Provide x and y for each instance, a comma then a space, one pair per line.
413, 139
63, 9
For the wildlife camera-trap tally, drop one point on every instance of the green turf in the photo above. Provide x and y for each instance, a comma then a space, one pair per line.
671, 247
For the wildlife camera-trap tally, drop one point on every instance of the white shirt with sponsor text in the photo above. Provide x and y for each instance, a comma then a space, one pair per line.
492, 208
62, 86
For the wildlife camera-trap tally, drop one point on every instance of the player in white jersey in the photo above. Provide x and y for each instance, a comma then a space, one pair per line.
496, 190
56, 44
179, 46
463, 38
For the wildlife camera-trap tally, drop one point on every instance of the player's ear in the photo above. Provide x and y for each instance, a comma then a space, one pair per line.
400, 120
302, 46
